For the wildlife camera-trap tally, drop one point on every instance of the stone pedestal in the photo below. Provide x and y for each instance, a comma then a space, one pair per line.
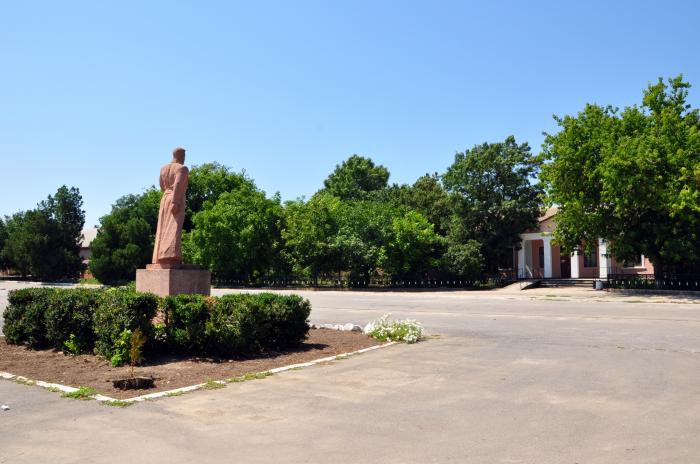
173, 281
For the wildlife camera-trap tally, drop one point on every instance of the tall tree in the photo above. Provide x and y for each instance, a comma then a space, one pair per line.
495, 198
45, 242
207, 182
356, 178
426, 196
3, 239
308, 233
631, 177
125, 239
238, 235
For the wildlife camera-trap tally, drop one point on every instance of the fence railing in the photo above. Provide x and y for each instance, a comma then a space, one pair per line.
341, 282
686, 282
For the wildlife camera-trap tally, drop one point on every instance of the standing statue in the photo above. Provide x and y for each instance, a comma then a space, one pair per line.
167, 253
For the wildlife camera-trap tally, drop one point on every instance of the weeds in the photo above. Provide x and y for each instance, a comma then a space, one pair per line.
250, 376
82, 393
118, 403
213, 385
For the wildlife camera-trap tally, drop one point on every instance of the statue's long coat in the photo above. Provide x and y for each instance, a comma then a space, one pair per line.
173, 184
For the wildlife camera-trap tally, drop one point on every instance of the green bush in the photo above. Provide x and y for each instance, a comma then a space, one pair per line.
186, 317
77, 320
69, 319
121, 309
252, 322
24, 317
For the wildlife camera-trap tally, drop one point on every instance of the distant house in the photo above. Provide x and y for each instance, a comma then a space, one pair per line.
540, 257
85, 252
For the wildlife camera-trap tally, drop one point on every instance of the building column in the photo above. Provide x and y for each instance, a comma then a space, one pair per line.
574, 265
547, 242
521, 261
603, 260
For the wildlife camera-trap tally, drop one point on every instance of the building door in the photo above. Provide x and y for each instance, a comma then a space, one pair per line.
565, 263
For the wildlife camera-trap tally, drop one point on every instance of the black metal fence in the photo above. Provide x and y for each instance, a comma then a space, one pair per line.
375, 282
686, 282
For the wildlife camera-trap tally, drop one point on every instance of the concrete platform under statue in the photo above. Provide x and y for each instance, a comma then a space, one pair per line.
168, 280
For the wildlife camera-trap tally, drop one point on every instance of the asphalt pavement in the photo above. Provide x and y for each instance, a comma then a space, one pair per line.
550, 376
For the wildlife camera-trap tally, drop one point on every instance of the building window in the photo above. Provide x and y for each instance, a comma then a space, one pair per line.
639, 262
541, 256
590, 258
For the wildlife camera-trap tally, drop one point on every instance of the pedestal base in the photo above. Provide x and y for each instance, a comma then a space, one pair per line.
167, 282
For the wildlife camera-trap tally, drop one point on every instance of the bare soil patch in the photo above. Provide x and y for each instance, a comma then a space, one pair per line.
169, 371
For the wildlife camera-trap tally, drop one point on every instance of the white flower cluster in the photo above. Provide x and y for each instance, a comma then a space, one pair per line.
383, 329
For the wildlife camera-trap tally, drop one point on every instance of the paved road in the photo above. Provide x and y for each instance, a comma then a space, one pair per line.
513, 378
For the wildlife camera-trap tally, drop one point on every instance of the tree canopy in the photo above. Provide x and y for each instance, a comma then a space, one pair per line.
125, 239
237, 236
631, 177
45, 242
495, 198
356, 178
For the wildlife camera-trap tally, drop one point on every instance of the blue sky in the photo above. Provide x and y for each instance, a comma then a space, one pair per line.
96, 94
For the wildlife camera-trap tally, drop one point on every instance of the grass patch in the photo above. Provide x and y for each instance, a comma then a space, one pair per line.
53, 389
82, 393
174, 394
213, 385
342, 357
118, 403
90, 281
250, 376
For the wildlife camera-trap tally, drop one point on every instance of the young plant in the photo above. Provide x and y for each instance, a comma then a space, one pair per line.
73, 346
137, 342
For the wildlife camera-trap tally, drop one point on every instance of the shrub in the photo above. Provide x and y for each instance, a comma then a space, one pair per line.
24, 317
69, 319
121, 309
76, 320
406, 330
186, 317
252, 322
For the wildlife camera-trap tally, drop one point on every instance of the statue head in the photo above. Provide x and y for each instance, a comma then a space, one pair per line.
179, 155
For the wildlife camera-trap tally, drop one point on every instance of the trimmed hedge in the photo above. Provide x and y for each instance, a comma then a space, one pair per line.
100, 320
240, 323
69, 313
185, 321
121, 309
24, 317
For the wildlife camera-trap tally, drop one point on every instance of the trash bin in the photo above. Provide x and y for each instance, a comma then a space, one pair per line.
598, 284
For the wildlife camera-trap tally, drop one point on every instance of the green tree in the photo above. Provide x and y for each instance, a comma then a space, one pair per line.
631, 177
426, 196
45, 242
464, 259
125, 239
308, 234
494, 197
207, 182
28, 241
410, 246
238, 236
356, 178
363, 232
3, 239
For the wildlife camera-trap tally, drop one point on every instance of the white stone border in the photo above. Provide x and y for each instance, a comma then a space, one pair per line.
181, 390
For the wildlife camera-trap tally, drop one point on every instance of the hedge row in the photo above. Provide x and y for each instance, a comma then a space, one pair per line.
85, 320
